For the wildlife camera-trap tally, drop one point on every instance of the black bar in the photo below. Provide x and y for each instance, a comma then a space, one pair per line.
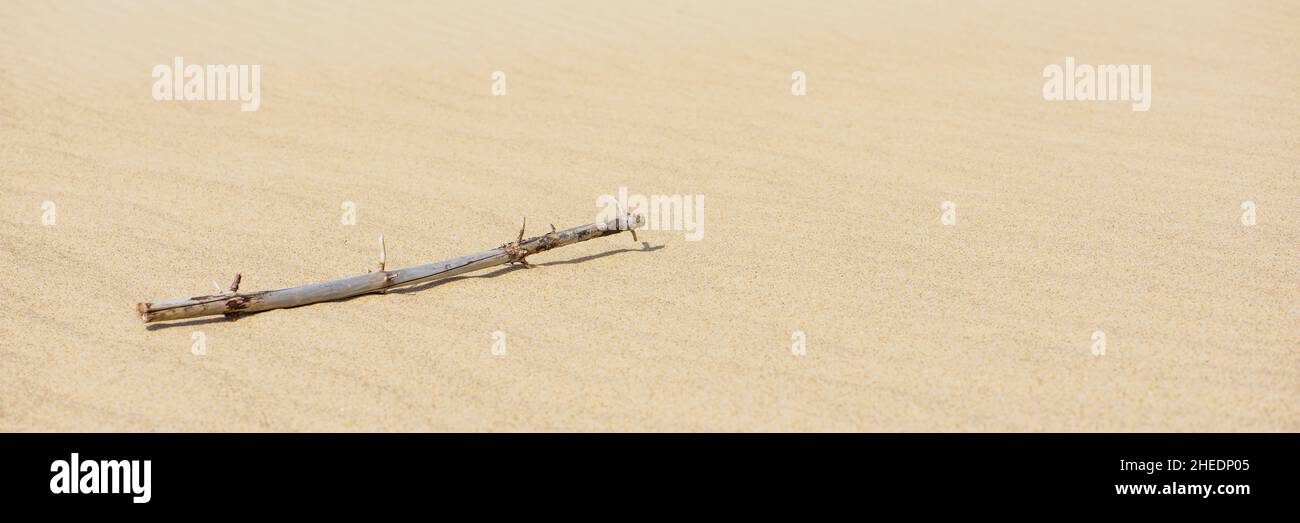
888, 470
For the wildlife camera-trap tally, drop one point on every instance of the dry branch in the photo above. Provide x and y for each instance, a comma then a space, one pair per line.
378, 281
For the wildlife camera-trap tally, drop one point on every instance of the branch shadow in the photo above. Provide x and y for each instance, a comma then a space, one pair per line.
645, 247
190, 323
230, 318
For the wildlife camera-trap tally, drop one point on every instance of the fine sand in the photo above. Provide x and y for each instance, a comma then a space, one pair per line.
822, 215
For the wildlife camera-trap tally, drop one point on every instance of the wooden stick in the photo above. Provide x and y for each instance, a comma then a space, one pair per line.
234, 302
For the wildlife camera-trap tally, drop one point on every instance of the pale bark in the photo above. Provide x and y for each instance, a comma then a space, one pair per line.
234, 302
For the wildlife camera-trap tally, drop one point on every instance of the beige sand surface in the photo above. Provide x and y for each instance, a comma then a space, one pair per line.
822, 215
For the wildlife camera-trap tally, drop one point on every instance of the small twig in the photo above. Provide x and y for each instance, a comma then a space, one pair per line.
382, 280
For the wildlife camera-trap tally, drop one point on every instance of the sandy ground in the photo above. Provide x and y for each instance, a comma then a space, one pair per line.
822, 215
